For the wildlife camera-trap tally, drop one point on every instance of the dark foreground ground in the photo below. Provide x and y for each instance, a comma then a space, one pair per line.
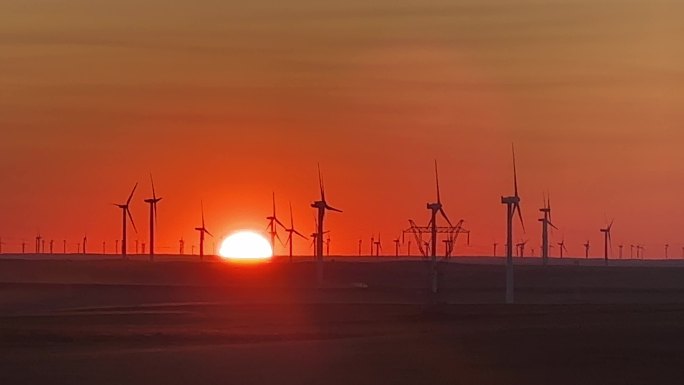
114, 322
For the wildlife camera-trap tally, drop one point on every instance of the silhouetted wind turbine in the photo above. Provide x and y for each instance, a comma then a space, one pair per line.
202, 230
586, 250
434, 209
512, 206
273, 223
126, 212
607, 240
546, 222
562, 248
378, 246
396, 247
321, 206
495, 246
521, 248
153, 216
290, 232
667, 248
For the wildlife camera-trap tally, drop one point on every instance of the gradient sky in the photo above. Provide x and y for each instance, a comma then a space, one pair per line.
228, 101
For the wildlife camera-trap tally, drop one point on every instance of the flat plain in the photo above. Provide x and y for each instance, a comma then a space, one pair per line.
179, 322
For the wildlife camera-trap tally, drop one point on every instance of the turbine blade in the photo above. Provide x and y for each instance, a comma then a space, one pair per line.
439, 199
441, 211
298, 233
154, 208
320, 183
291, 217
280, 223
131, 196
154, 194
274, 208
515, 173
552, 225
202, 208
208, 233
131, 218
332, 208
522, 222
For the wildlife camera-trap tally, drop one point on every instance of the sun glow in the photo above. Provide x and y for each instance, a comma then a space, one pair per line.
246, 246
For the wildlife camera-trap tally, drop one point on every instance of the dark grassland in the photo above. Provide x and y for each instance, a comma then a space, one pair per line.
116, 322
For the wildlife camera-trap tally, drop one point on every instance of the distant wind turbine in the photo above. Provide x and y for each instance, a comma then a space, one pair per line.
273, 223
378, 246
562, 248
586, 250
153, 216
202, 231
607, 241
321, 205
291, 230
512, 205
126, 214
546, 222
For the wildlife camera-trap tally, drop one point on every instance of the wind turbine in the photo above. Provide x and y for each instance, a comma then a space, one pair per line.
495, 246
521, 248
607, 240
202, 231
667, 248
396, 246
320, 205
290, 232
562, 248
512, 206
546, 222
153, 216
126, 212
273, 223
378, 246
586, 250
327, 245
434, 209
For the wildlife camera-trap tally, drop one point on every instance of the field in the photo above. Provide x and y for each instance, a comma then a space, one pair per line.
179, 322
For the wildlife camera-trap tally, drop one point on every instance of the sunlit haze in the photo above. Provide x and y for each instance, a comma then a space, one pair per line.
227, 102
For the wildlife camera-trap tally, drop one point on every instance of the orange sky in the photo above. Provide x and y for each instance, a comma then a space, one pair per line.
228, 102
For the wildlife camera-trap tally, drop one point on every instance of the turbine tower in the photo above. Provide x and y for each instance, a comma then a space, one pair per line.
202, 231
273, 224
126, 214
396, 247
320, 205
512, 206
434, 209
546, 222
153, 216
290, 232
606, 240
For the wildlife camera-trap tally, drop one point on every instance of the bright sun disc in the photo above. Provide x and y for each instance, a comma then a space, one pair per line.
246, 245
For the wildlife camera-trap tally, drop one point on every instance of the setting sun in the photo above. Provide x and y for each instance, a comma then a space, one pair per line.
246, 245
